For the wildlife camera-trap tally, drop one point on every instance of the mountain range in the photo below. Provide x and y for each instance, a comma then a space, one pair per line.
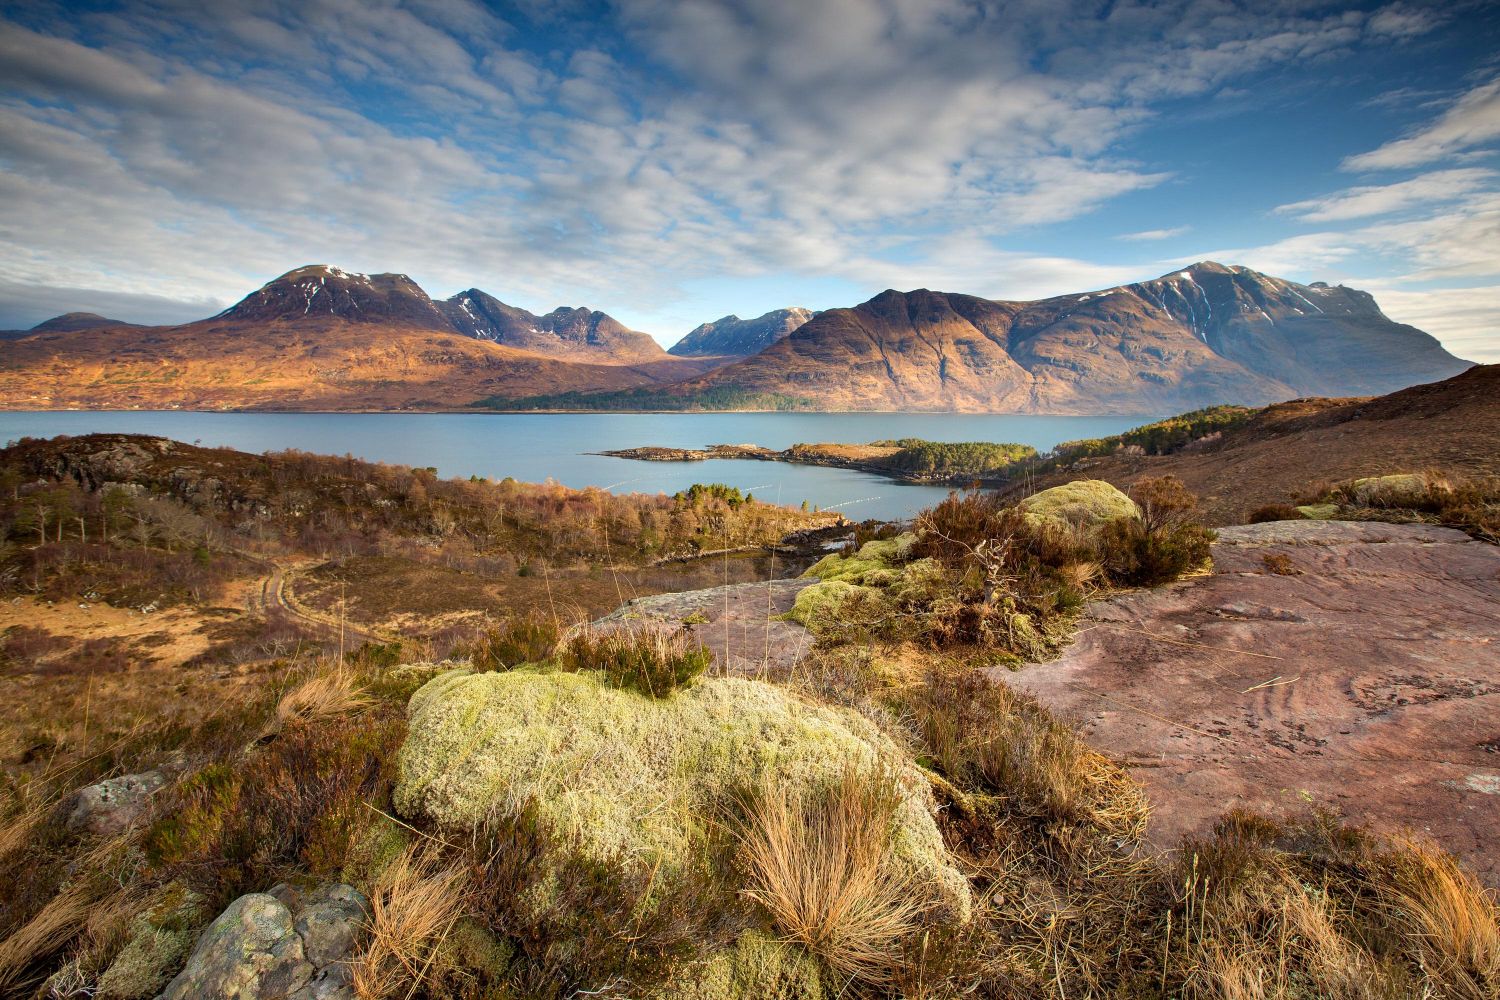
1206, 334
319, 337
732, 337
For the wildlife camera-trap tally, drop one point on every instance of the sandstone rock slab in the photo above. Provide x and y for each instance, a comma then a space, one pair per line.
736, 621
1361, 674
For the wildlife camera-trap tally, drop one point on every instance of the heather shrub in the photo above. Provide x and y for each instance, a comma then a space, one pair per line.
1274, 512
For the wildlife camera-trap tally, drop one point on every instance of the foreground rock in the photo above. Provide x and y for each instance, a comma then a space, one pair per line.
114, 805
1351, 666
613, 778
283, 944
737, 622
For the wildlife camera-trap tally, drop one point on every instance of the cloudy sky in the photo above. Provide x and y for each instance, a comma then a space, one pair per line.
672, 161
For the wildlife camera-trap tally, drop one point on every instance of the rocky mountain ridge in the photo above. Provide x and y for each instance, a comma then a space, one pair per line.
1203, 335
731, 336
322, 337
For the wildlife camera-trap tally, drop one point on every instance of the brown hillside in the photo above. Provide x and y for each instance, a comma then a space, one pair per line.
1287, 449
1208, 334
315, 363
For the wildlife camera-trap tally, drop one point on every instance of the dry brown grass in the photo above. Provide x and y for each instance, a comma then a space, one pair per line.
413, 907
53, 926
822, 869
1448, 918
16, 829
322, 696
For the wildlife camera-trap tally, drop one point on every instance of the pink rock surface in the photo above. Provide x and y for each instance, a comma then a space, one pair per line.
1366, 681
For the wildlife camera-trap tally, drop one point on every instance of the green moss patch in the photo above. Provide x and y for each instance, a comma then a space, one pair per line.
615, 779
1084, 503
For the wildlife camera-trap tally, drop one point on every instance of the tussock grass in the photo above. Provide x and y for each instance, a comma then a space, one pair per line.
1451, 921
414, 906
17, 828
653, 661
822, 867
52, 927
333, 692
1007, 749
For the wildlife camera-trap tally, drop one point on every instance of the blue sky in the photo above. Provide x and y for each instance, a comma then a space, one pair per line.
672, 162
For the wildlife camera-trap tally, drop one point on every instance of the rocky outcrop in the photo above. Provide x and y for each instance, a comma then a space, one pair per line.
283, 943
738, 622
114, 805
1348, 666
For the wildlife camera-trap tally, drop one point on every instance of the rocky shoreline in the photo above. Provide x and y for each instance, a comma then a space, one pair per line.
871, 458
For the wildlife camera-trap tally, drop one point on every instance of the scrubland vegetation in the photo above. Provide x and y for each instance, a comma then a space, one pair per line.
1005, 578
559, 811
1469, 504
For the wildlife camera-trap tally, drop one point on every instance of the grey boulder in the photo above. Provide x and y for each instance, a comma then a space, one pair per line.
284, 943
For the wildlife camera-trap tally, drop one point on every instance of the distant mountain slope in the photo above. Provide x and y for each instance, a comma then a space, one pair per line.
1206, 334
66, 323
562, 332
314, 338
316, 291
1289, 449
739, 338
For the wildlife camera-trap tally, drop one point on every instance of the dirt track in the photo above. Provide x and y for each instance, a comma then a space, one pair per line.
275, 591
1368, 681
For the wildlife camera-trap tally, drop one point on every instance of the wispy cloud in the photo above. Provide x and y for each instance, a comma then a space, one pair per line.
1361, 202
1152, 235
1473, 120
557, 153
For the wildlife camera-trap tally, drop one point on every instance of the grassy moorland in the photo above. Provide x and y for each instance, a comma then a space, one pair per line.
554, 811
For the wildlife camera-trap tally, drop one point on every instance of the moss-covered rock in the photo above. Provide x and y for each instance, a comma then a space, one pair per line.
758, 967
1318, 511
616, 779
1083, 503
373, 851
160, 939
874, 565
820, 602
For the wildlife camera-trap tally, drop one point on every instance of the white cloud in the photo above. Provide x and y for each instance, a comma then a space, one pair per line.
1360, 202
1473, 120
1466, 320
191, 151
1152, 235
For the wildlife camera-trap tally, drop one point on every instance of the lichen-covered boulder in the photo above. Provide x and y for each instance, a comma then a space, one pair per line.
615, 778
820, 603
756, 968
114, 805
284, 943
1404, 489
874, 565
1318, 511
1083, 503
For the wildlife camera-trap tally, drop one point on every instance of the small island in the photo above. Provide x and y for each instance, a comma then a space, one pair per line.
907, 459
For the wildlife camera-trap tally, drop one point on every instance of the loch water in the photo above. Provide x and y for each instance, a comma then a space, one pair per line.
534, 447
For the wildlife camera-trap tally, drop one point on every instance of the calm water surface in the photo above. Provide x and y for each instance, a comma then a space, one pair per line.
536, 446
